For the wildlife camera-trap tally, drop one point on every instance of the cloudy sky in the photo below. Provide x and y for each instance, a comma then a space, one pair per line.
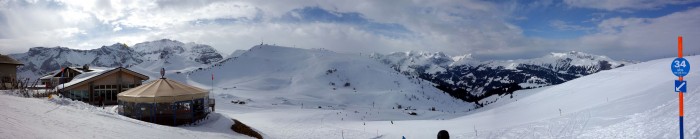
501, 29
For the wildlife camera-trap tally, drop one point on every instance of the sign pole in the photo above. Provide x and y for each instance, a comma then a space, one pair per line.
680, 94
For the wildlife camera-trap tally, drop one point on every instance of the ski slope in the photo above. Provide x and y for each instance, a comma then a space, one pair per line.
273, 75
636, 101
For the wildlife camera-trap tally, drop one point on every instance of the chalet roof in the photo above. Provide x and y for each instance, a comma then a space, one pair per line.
162, 90
57, 73
5, 59
86, 77
49, 76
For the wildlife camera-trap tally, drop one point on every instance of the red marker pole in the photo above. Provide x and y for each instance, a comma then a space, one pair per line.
680, 94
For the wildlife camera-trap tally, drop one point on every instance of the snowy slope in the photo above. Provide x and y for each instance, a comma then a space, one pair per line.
62, 118
635, 101
317, 77
236, 53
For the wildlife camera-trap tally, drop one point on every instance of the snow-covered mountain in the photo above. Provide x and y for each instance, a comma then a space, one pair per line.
40, 60
232, 56
472, 80
146, 56
320, 78
174, 56
165, 49
236, 53
461, 76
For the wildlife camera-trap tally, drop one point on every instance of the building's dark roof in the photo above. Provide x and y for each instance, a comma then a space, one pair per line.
4, 59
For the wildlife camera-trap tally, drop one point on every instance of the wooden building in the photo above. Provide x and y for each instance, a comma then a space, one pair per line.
62, 75
96, 85
8, 71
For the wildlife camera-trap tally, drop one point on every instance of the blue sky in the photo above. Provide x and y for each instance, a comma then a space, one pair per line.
501, 29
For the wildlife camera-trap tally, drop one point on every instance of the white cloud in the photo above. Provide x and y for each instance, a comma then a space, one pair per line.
625, 5
46, 25
454, 27
563, 25
645, 38
613, 25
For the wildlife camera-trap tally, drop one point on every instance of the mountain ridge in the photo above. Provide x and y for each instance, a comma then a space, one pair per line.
42, 60
461, 76
472, 80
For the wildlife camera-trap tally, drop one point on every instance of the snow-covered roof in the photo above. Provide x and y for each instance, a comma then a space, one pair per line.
57, 72
92, 74
81, 77
39, 86
48, 76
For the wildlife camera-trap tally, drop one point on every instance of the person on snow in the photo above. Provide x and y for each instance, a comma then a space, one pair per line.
100, 101
443, 134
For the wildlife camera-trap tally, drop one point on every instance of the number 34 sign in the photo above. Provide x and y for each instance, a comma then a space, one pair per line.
680, 67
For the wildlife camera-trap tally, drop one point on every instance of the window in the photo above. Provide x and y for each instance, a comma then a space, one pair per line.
81, 95
108, 95
6, 79
127, 86
114, 95
128, 108
107, 92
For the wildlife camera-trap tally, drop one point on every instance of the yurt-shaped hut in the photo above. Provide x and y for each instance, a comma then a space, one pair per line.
165, 102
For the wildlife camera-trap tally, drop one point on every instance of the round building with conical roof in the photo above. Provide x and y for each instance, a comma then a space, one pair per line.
165, 102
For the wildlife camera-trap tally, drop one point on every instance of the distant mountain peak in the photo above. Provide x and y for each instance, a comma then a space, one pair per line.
560, 54
117, 46
575, 54
462, 57
40, 60
159, 45
470, 79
